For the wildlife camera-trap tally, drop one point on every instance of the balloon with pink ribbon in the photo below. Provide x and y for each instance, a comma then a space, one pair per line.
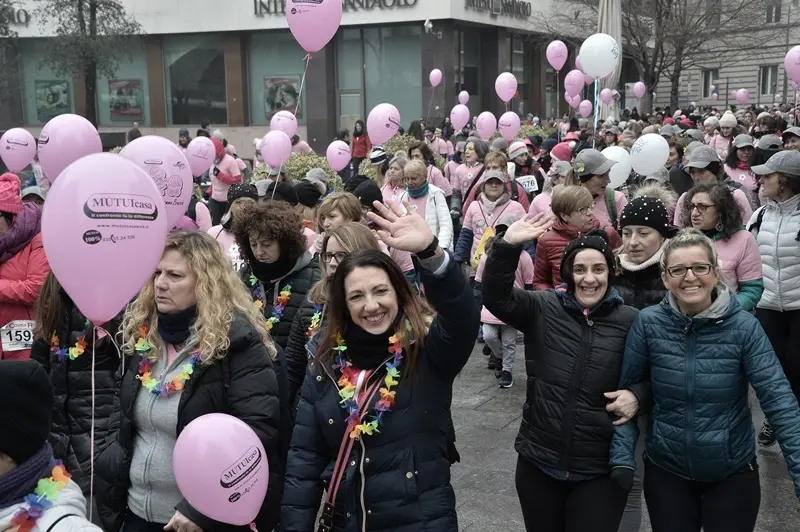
382, 123
463, 97
509, 125
313, 24
276, 148
284, 121
65, 139
459, 116
791, 63
338, 155
557, 55
573, 83
17, 149
606, 96
585, 108
486, 125
639, 89
435, 77
506, 86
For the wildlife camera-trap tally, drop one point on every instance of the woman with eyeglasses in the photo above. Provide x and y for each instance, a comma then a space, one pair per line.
700, 351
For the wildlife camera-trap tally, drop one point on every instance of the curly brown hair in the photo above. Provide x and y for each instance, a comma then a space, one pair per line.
271, 220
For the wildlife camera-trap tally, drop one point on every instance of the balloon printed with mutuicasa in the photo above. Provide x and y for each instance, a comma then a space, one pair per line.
65, 139
284, 121
382, 123
17, 149
200, 154
313, 24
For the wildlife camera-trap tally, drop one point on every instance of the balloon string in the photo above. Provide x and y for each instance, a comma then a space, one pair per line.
91, 437
307, 59
596, 105
558, 106
430, 104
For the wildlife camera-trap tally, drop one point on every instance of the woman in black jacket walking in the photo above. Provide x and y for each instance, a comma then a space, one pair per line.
574, 341
63, 345
372, 422
196, 345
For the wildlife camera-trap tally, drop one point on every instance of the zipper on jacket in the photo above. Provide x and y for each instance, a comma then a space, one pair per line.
572, 391
778, 261
689, 418
363, 484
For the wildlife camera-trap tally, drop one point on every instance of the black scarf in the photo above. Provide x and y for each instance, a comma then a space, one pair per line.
269, 273
22, 480
366, 350
175, 328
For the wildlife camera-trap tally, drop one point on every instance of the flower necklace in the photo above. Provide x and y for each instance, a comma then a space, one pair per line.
73, 352
145, 374
43, 497
347, 389
280, 303
316, 319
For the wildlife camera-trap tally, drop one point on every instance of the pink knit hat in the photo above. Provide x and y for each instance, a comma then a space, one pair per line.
10, 200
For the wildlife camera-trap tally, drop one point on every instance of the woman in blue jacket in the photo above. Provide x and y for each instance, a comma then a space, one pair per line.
374, 410
700, 349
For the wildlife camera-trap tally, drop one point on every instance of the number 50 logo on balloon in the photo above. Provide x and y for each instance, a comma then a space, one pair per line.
313, 22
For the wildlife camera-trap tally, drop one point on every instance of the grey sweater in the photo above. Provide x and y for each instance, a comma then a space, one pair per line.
153, 492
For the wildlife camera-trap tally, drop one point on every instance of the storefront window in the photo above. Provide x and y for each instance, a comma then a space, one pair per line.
521, 103
44, 93
124, 98
349, 77
195, 79
469, 58
393, 70
275, 64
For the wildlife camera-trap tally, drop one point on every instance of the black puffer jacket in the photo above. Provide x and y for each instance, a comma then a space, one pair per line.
403, 471
71, 427
302, 276
297, 356
571, 360
640, 289
243, 385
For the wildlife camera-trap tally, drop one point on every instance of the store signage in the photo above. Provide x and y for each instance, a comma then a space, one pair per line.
278, 7
16, 17
501, 8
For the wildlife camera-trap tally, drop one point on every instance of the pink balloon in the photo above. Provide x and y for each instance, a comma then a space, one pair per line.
734, 92
587, 79
338, 155
104, 227
463, 97
17, 148
742, 96
585, 108
65, 139
506, 86
778, 97
276, 148
606, 96
509, 125
221, 468
713, 88
573, 82
557, 55
573, 101
284, 121
382, 123
314, 24
166, 165
435, 77
791, 63
459, 116
486, 125
639, 89
714, 96
200, 154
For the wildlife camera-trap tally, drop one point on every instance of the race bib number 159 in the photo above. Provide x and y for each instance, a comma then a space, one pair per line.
17, 335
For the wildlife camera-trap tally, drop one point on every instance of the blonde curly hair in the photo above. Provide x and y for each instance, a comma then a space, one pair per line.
221, 297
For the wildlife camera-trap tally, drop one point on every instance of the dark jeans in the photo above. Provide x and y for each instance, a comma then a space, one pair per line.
632, 518
676, 504
550, 505
783, 331
134, 523
217, 210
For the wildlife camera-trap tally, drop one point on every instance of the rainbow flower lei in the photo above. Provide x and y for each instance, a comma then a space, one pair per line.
43, 497
145, 374
316, 319
280, 303
73, 352
347, 389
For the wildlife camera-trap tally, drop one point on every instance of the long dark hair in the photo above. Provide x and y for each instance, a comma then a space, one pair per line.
427, 154
411, 308
363, 131
730, 217
733, 157
415, 130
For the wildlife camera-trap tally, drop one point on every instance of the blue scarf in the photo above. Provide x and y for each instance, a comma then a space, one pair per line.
418, 192
22, 480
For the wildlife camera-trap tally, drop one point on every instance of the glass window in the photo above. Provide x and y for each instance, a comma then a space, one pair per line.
349, 77
708, 77
275, 65
768, 79
125, 98
195, 79
773, 11
470, 60
393, 69
44, 94
521, 103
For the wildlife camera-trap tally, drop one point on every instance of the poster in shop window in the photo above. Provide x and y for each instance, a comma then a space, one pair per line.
125, 99
52, 98
282, 94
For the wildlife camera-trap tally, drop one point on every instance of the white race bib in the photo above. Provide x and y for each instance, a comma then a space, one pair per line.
529, 183
17, 335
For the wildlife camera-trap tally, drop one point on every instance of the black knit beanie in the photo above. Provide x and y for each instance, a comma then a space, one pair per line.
367, 193
307, 193
27, 399
281, 191
594, 239
649, 212
240, 190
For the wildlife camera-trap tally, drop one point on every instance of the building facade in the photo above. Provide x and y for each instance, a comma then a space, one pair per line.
235, 64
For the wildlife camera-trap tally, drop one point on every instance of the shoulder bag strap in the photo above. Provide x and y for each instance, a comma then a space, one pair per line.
611, 206
474, 182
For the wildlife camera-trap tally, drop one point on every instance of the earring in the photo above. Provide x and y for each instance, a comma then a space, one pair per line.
719, 227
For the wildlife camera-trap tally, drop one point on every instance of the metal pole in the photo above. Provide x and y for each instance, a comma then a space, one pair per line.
788, 29
727, 92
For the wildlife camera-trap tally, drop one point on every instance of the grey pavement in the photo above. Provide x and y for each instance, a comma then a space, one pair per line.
487, 419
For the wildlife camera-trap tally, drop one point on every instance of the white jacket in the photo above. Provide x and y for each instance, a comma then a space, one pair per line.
780, 253
68, 514
437, 214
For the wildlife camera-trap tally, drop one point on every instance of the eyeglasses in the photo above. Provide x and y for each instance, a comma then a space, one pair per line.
701, 207
586, 210
681, 271
328, 257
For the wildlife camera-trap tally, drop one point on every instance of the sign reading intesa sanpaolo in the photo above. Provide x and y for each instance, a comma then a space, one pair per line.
505, 8
278, 7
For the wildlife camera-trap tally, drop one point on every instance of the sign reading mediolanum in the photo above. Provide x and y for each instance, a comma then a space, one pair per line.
278, 7
504, 8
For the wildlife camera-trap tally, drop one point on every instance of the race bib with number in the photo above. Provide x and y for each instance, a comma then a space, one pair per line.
529, 183
17, 335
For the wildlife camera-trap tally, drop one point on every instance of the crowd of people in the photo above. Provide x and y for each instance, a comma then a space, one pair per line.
335, 324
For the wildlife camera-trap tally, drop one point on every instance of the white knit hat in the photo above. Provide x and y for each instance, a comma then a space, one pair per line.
727, 120
516, 149
711, 121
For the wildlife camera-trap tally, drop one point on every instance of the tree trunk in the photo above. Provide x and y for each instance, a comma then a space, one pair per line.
673, 91
90, 82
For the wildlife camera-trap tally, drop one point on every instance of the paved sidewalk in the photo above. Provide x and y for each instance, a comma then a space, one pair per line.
487, 419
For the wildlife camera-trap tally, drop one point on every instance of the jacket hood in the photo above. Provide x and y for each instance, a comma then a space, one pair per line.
723, 305
611, 300
569, 232
69, 511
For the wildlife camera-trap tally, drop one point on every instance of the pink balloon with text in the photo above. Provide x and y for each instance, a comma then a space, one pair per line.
338, 155
17, 149
64, 140
313, 24
200, 154
382, 123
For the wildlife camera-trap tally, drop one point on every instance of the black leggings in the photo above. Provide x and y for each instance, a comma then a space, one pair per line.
217, 210
550, 505
676, 504
783, 331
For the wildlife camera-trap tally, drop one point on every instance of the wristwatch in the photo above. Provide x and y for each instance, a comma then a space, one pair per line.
429, 251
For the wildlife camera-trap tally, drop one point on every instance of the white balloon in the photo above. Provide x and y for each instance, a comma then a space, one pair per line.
622, 170
649, 153
599, 55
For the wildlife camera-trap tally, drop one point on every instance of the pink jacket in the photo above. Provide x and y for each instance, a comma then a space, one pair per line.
541, 203
722, 145
477, 219
302, 147
738, 195
465, 175
228, 175
601, 211
436, 179
523, 276
746, 177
